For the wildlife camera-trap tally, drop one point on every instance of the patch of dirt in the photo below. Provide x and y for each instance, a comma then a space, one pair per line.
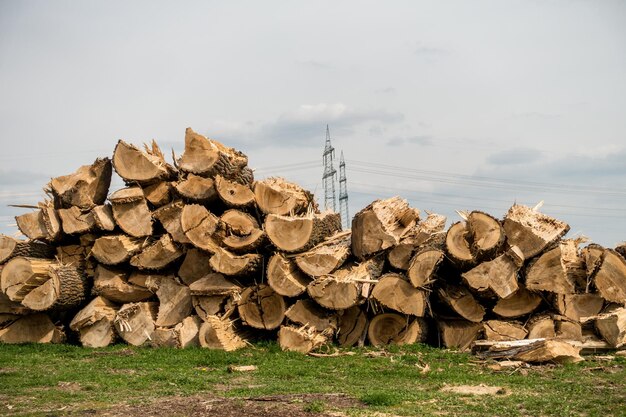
475, 390
69, 386
292, 405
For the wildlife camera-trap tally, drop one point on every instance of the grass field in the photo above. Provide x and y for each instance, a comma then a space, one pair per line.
54, 380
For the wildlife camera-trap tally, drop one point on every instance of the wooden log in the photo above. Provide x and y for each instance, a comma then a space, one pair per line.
392, 328
234, 194
593, 256
240, 232
576, 306
134, 322
499, 330
86, 188
497, 276
462, 302
188, 332
75, 221
541, 327
169, 216
11, 307
532, 350
51, 221
208, 158
95, 323
199, 225
327, 256
194, 266
458, 334
308, 313
612, 327
458, 246
280, 197
174, 302
485, 234
532, 231
212, 305
103, 217
214, 284
285, 277
426, 234
554, 326
262, 308
301, 233
21, 275
394, 291
352, 326
11, 248
32, 226
423, 267
34, 328
113, 284
217, 333
621, 249
131, 212
518, 304
157, 255
159, 193
233, 265
115, 249
300, 339
196, 189
143, 167
557, 270
610, 279
380, 226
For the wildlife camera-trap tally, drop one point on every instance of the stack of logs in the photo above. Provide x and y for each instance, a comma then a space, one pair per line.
198, 253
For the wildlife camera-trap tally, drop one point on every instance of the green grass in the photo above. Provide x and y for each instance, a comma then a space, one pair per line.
41, 379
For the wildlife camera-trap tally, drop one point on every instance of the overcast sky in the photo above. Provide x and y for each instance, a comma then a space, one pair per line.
453, 105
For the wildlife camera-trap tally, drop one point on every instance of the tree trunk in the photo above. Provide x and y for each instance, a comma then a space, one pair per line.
395, 292
199, 225
352, 326
458, 334
95, 323
557, 270
113, 284
115, 249
103, 217
131, 212
392, 328
208, 158
499, 330
462, 302
170, 217
158, 255
233, 194
196, 189
85, 188
423, 267
194, 266
35, 328
134, 322
301, 233
327, 256
532, 231
610, 280
518, 304
11, 248
217, 333
282, 198
498, 276
285, 277
135, 166
300, 339
260, 307
174, 302
240, 232
233, 265
380, 226
308, 313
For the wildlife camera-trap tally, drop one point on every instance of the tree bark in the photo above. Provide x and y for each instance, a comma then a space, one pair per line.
11, 248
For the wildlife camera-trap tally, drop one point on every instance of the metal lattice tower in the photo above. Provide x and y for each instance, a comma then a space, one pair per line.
330, 175
343, 194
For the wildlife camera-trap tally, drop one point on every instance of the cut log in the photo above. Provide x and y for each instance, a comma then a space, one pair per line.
239, 231
262, 308
458, 246
103, 217
575, 306
612, 327
12, 248
85, 188
187, 332
131, 212
21, 275
557, 270
392, 328
158, 194
327, 256
518, 304
95, 323
349, 286
144, 167
211, 305
621, 249
75, 221
115, 249
51, 221
307, 313
499, 330
208, 158
280, 197
234, 194
423, 267
593, 256
196, 189
169, 216
35, 328
113, 284
217, 333
285, 277
32, 226
554, 326
174, 302
301, 233
233, 265
134, 322
164, 337
532, 231
300, 339
462, 302
485, 234
380, 226
610, 280
458, 334
75, 255
158, 255
498, 276
199, 225
400, 256
352, 327
11, 307
541, 327
194, 266
427, 234
532, 350
396, 292
214, 284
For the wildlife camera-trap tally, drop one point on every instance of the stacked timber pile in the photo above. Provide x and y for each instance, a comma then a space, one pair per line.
198, 253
